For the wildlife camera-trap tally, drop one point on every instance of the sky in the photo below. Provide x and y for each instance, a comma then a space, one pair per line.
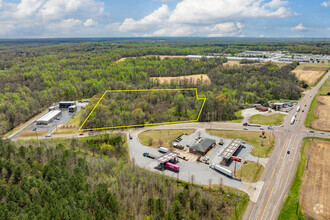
164, 18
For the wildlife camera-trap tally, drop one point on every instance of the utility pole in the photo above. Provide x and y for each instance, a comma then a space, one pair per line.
35, 129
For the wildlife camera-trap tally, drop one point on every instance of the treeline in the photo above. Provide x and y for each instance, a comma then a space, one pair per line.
38, 77
62, 181
136, 108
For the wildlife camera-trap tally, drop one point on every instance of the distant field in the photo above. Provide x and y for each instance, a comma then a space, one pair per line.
315, 189
250, 171
191, 79
161, 57
262, 147
231, 63
274, 119
310, 72
164, 138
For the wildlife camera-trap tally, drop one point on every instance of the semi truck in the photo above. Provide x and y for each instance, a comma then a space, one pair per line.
298, 108
221, 169
254, 125
146, 154
172, 166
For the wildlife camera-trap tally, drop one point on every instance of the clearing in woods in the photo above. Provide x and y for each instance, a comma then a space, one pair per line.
161, 57
315, 189
190, 79
310, 72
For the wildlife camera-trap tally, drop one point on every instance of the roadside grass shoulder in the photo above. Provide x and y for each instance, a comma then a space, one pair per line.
275, 119
164, 138
262, 147
291, 208
31, 134
250, 171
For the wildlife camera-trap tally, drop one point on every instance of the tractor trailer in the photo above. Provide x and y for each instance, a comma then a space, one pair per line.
222, 169
146, 154
172, 166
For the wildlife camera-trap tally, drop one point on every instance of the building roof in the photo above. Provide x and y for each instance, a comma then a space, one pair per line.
67, 102
49, 115
167, 157
202, 145
231, 148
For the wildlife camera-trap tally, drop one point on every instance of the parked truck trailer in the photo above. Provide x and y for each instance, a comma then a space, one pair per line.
172, 166
222, 169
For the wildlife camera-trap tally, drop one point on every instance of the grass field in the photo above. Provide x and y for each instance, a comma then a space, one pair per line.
31, 134
262, 147
274, 119
291, 208
239, 115
314, 193
310, 72
164, 138
311, 112
250, 171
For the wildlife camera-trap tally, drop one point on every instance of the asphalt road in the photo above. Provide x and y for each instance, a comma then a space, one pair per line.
281, 168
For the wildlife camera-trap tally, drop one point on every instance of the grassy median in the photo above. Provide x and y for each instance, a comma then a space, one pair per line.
262, 147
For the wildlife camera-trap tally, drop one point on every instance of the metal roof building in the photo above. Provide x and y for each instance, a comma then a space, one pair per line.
48, 117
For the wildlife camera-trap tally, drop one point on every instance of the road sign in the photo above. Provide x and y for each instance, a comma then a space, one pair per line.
237, 159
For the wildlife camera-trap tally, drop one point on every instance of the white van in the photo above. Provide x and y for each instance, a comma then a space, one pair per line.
163, 150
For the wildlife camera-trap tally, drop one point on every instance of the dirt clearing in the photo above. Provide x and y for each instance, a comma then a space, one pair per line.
231, 63
310, 73
322, 112
315, 190
148, 56
190, 79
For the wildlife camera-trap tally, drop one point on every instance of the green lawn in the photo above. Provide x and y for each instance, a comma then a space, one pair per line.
166, 137
325, 88
289, 209
275, 119
262, 147
250, 171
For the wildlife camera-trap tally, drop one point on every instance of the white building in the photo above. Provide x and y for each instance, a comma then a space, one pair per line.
48, 117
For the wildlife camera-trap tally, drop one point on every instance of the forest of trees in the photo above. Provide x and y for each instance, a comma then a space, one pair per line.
92, 178
33, 78
136, 108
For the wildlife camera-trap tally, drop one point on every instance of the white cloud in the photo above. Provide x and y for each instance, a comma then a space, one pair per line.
41, 17
276, 3
211, 17
261, 35
90, 22
146, 23
299, 27
325, 4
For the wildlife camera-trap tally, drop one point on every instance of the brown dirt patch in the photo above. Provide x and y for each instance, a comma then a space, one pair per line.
315, 190
309, 76
121, 59
191, 79
31, 134
322, 112
164, 57
231, 63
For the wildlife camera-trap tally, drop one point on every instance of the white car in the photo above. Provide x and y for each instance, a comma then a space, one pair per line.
48, 135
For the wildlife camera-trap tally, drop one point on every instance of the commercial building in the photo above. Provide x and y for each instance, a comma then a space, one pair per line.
48, 117
202, 146
66, 104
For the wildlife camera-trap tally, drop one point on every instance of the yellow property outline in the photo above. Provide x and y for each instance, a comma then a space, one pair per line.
142, 90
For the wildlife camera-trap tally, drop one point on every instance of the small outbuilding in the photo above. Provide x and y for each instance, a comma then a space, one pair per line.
202, 146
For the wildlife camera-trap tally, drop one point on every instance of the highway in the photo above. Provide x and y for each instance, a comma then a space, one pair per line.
281, 168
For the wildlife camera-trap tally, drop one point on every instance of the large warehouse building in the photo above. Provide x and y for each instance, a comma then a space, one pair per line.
48, 117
